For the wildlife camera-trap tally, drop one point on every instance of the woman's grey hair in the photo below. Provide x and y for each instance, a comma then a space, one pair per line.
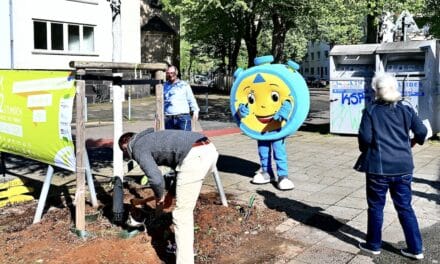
385, 85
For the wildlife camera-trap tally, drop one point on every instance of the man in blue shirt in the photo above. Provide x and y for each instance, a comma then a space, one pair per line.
179, 102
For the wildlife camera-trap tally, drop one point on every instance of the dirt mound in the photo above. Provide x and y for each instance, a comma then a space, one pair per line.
240, 233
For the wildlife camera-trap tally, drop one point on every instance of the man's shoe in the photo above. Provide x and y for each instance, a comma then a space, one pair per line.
364, 247
411, 255
285, 184
131, 222
261, 178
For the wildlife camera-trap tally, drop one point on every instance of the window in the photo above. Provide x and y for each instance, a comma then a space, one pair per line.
73, 37
312, 56
40, 35
312, 71
64, 37
326, 54
318, 55
56, 30
88, 37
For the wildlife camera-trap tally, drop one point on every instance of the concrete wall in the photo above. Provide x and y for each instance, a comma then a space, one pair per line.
5, 39
131, 31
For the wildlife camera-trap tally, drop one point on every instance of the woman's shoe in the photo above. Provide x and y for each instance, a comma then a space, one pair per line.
364, 247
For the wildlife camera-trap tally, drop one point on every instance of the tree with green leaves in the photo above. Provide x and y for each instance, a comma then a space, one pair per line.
211, 27
216, 28
287, 15
432, 17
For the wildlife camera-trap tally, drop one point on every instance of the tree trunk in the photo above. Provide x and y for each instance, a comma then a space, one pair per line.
234, 54
278, 37
252, 30
251, 47
371, 30
372, 25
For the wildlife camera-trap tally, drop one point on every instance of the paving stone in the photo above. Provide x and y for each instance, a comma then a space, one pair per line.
393, 233
426, 211
359, 193
340, 241
327, 198
308, 186
305, 234
290, 252
343, 212
338, 190
288, 224
329, 180
353, 202
388, 218
351, 182
360, 259
318, 254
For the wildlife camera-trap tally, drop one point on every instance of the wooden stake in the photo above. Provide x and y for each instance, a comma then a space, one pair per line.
160, 125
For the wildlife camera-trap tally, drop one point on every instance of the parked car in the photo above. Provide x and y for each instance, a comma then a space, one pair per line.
310, 81
320, 83
316, 83
200, 79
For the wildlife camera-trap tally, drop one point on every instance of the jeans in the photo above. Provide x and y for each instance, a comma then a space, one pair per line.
400, 190
179, 122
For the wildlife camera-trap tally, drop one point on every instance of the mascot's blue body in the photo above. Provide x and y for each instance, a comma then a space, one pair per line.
269, 103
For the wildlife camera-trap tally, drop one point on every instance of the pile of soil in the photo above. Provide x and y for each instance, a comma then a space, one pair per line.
240, 233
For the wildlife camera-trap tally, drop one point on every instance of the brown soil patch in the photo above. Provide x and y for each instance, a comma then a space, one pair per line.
223, 234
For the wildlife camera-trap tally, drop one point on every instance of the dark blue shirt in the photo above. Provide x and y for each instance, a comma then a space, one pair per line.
384, 138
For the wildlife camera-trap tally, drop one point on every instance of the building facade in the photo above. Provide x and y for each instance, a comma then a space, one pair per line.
160, 34
48, 34
315, 66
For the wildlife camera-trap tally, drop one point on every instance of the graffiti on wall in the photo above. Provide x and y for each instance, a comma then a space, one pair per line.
348, 99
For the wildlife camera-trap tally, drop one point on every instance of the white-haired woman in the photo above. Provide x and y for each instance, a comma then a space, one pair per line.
385, 143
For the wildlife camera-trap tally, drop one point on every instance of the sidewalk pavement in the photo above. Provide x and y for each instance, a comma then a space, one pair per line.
327, 211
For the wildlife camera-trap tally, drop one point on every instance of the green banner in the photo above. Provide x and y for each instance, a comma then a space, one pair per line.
36, 116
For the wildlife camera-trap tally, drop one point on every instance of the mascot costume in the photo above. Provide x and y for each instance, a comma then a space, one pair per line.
270, 102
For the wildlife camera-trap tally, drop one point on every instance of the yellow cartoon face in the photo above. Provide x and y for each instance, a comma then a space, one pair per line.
263, 93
